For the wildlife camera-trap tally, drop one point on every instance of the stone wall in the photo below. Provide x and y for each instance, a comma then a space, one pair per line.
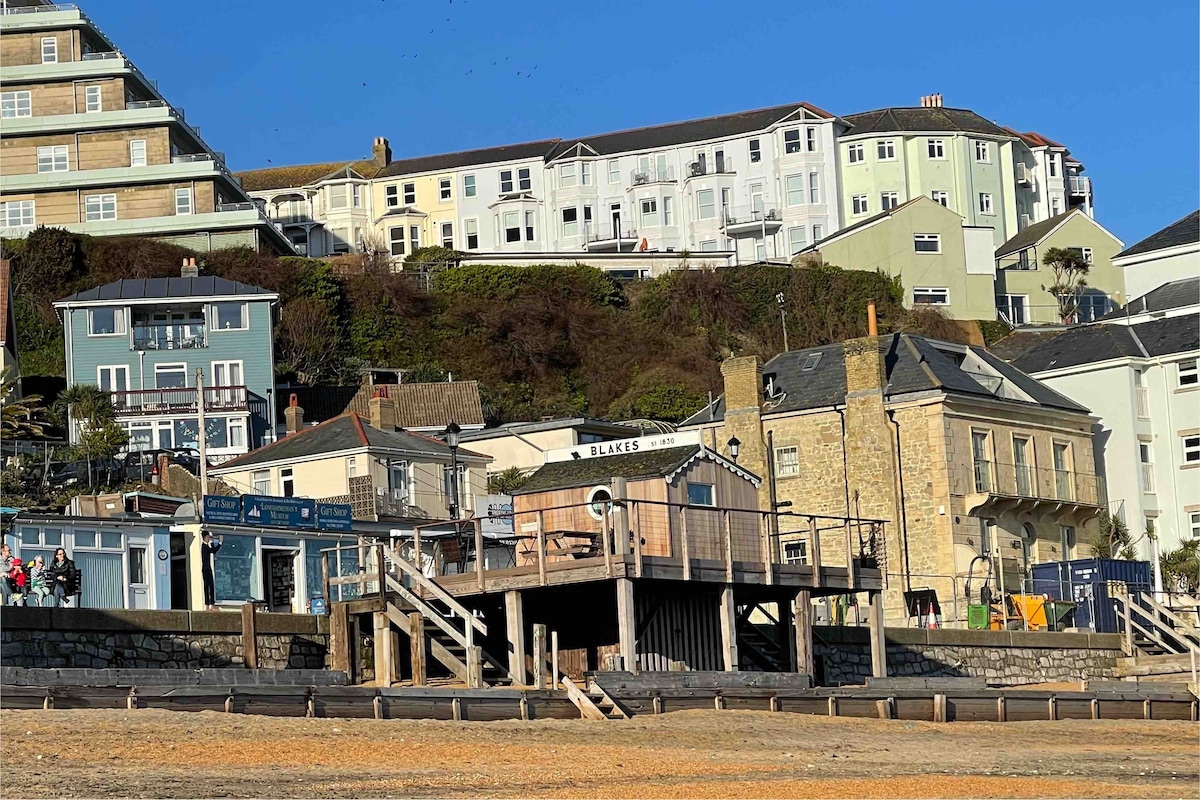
1002, 657
114, 639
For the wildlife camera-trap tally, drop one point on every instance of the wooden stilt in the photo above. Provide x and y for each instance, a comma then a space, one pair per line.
514, 617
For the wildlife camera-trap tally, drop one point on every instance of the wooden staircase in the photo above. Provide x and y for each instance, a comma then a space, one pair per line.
594, 703
1160, 645
758, 650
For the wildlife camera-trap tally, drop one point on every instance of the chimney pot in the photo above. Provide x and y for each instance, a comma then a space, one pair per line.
381, 152
872, 322
293, 415
382, 413
189, 269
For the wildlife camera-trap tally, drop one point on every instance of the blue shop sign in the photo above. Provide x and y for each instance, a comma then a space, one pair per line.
280, 512
334, 517
222, 509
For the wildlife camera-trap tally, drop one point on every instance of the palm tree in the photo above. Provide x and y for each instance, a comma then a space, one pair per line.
92, 408
1070, 272
22, 416
1115, 541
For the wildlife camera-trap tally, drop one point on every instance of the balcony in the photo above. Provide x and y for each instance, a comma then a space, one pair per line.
1024, 174
182, 401
719, 166
751, 220
170, 337
993, 487
1148, 479
1079, 186
610, 236
645, 177
224, 208
1143, 402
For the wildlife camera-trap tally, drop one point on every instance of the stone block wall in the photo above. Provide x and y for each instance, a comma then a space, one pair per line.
1002, 657
55, 638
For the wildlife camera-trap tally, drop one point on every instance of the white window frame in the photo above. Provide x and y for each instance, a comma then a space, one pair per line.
114, 371
792, 143
794, 192
50, 54
939, 196
524, 179
507, 185
18, 214
93, 99
585, 173
796, 246
818, 233
983, 151
471, 230
447, 237
1086, 254
236, 427
570, 221
1194, 523
885, 150
16, 104
755, 149
1190, 448
936, 149
356, 196
931, 292
55, 158
339, 197
513, 217
414, 237
811, 142
120, 328
706, 210
888, 200
712, 494
188, 205
214, 316
649, 218
1004, 303
985, 204
787, 461
445, 190
614, 170
1187, 373
859, 204
257, 478
469, 188
287, 482
855, 153
668, 211
105, 206
397, 245
391, 196
137, 152
172, 368
529, 232
936, 238
567, 178
410, 194
814, 188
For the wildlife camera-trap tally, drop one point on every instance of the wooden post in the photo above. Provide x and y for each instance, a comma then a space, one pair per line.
606, 534
416, 639
250, 634
554, 657
626, 622
514, 618
941, 711
541, 547
456, 709
1128, 625
683, 544
325, 580
620, 517
474, 667
539, 656
851, 579
1053, 707
637, 539
802, 612
417, 559
878, 641
380, 571
1095, 706
728, 545
339, 639
832, 705
814, 549
479, 552
385, 665
1001, 709
729, 648
764, 525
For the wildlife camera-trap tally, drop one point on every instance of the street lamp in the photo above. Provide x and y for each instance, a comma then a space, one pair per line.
451, 433
734, 446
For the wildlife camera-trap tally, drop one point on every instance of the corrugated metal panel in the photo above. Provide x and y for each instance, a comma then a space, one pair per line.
1085, 582
680, 626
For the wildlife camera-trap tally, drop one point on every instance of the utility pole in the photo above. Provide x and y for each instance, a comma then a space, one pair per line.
202, 447
783, 320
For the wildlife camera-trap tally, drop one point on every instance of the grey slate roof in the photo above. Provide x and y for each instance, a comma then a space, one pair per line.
467, 158
1176, 294
1022, 340
888, 120
1182, 231
1089, 344
689, 131
347, 432
591, 423
913, 364
595, 471
167, 288
1032, 234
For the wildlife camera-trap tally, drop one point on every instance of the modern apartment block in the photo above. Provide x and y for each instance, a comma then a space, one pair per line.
758, 184
1049, 181
88, 143
144, 340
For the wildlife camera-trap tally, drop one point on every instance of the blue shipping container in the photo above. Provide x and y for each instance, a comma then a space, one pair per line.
1085, 581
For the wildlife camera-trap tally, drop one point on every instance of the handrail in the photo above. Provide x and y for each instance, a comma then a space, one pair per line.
429, 612
410, 569
1157, 624
1184, 627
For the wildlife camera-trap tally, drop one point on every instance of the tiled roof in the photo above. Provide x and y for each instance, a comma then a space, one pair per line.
913, 363
1176, 294
1088, 344
426, 405
887, 120
590, 424
1019, 342
164, 288
1033, 234
1035, 139
261, 180
595, 471
467, 158
1184, 231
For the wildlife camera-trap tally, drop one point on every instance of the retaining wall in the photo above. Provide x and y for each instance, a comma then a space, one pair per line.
1007, 657
116, 639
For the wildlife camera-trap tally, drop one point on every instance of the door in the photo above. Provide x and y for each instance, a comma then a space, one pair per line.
280, 579
615, 211
179, 572
756, 200
227, 374
137, 555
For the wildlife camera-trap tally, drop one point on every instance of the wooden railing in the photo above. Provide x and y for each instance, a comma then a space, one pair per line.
1158, 624
179, 401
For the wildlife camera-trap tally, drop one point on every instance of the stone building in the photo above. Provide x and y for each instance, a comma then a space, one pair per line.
974, 463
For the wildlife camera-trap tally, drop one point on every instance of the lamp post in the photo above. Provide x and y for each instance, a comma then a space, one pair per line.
779, 298
734, 446
451, 433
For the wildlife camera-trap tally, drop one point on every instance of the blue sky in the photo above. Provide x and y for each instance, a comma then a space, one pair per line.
284, 81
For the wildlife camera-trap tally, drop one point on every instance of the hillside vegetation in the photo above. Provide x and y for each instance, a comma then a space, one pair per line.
541, 340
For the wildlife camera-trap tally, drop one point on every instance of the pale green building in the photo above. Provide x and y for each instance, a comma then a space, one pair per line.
941, 261
1022, 280
950, 155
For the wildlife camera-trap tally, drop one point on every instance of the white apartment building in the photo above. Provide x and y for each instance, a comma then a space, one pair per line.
1049, 180
1136, 369
1171, 254
748, 186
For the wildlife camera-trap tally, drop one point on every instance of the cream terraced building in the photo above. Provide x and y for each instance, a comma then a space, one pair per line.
88, 143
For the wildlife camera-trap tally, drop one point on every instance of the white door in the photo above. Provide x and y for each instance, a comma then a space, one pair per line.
227, 374
139, 573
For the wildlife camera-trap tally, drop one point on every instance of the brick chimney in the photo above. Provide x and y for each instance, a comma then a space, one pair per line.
293, 416
382, 412
381, 152
743, 412
189, 269
931, 100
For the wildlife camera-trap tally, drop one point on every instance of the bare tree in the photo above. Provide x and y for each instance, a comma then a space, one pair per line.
309, 340
1070, 279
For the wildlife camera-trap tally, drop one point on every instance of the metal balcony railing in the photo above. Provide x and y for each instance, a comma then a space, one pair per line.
746, 215
640, 177
169, 337
1079, 185
237, 206
1148, 478
721, 166
1026, 480
147, 402
187, 158
38, 9
603, 232
102, 55
136, 104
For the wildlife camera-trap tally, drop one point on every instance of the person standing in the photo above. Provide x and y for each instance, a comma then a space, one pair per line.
6, 565
208, 549
63, 578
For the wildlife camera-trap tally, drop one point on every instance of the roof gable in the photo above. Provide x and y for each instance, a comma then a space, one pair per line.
1181, 232
1039, 232
647, 464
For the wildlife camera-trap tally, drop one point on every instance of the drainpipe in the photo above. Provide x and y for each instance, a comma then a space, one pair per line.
903, 505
